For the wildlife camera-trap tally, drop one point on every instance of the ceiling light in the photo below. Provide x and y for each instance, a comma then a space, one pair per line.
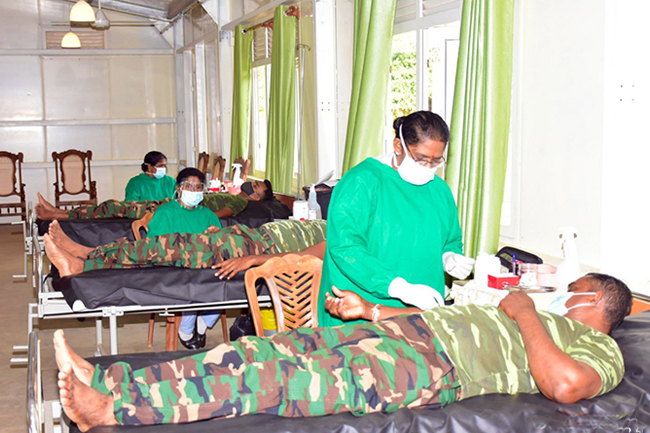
101, 22
82, 13
70, 40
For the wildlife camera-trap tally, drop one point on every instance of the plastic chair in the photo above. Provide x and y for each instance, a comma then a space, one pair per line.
73, 177
142, 223
218, 167
12, 185
245, 167
293, 282
203, 162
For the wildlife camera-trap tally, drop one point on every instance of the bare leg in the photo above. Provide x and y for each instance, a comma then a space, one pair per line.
63, 241
83, 369
84, 405
49, 215
64, 261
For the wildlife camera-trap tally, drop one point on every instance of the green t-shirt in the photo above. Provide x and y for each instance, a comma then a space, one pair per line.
489, 355
174, 218
147, 188
219, 200
380, 227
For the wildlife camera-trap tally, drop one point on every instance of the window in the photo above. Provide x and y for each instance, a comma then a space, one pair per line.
259, 119
423, 71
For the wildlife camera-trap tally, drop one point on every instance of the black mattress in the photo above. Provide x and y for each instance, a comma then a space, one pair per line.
626, 409
101, 231
150, 286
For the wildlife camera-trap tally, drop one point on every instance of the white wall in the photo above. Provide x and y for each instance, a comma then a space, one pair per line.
582, 161
117, 102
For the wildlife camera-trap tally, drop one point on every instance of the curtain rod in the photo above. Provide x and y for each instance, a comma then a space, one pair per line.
291, 11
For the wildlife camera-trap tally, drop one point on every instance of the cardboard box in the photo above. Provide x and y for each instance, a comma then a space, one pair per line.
501, 281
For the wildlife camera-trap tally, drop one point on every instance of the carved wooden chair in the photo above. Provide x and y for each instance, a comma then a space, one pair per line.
73, 177
203, 162
11, 184
245, 167
293, 282
218, 167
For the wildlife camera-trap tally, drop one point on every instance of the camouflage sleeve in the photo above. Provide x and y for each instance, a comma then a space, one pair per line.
600, 352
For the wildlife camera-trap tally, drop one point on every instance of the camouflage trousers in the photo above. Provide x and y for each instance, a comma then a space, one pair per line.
183, 250
357, 368
115, 209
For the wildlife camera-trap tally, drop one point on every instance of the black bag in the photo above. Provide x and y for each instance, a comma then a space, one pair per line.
243, 325
506, 254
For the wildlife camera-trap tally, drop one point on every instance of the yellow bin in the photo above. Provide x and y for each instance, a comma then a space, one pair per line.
268, 321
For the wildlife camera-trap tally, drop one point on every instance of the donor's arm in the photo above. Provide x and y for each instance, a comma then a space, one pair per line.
558, 376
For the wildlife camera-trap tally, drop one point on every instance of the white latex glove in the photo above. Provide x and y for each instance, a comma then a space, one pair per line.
457, 265
418, 295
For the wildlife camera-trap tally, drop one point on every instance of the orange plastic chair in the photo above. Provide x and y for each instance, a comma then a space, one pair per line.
142, 223
73, 177
12, 185
293, 282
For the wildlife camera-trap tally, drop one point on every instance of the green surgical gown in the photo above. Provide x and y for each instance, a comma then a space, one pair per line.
174, 218
381, 227
147, 188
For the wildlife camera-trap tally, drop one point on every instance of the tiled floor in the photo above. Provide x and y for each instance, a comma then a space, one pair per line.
15, 296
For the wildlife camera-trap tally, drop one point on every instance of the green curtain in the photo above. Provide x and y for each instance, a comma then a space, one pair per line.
308, 137
373, 33
241, 93
282, 103
480, 121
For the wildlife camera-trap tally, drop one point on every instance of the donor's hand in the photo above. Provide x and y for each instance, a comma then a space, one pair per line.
516, 303
345, 304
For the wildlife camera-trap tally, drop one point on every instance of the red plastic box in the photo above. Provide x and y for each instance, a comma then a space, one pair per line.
502, 281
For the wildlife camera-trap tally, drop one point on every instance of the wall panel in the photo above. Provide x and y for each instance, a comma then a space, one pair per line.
20, 93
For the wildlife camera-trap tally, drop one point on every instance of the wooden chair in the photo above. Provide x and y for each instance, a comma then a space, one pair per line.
73, 177
12, 185
293, 282
245, 167
203, 162
218, 167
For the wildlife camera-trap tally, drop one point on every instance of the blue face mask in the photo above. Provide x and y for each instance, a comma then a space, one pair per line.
160, 172
191, 198
558, 306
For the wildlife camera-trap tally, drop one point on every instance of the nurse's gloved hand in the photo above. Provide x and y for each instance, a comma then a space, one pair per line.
418, 295
457, 265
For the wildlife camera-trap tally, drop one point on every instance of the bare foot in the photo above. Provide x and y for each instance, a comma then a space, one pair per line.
48, 215
84, 405
46, 204
83, 369
64, 261
63, 241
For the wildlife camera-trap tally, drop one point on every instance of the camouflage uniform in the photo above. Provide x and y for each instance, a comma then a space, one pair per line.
185, 250
115, 209
358, 368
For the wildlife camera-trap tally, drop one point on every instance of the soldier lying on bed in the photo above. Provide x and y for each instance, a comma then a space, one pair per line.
401, 357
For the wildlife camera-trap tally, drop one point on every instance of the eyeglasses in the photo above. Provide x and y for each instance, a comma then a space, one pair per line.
194, 187
426, 162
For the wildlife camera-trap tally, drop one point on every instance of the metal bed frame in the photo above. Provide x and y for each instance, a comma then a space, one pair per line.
52, 305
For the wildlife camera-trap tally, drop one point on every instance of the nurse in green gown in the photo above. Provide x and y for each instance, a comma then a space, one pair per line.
152, 184
393, 226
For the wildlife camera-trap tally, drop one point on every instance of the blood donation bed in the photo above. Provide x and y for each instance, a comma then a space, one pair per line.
626, 409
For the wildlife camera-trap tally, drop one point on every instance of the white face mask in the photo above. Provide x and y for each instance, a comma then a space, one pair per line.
412, 172
191, 198
160, 172
558, 306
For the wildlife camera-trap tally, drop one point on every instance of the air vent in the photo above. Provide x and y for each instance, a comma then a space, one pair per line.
90, 39
262, 42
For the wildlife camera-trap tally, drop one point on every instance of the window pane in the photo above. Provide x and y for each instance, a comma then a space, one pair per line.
403, 75
440, 56
259, 106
